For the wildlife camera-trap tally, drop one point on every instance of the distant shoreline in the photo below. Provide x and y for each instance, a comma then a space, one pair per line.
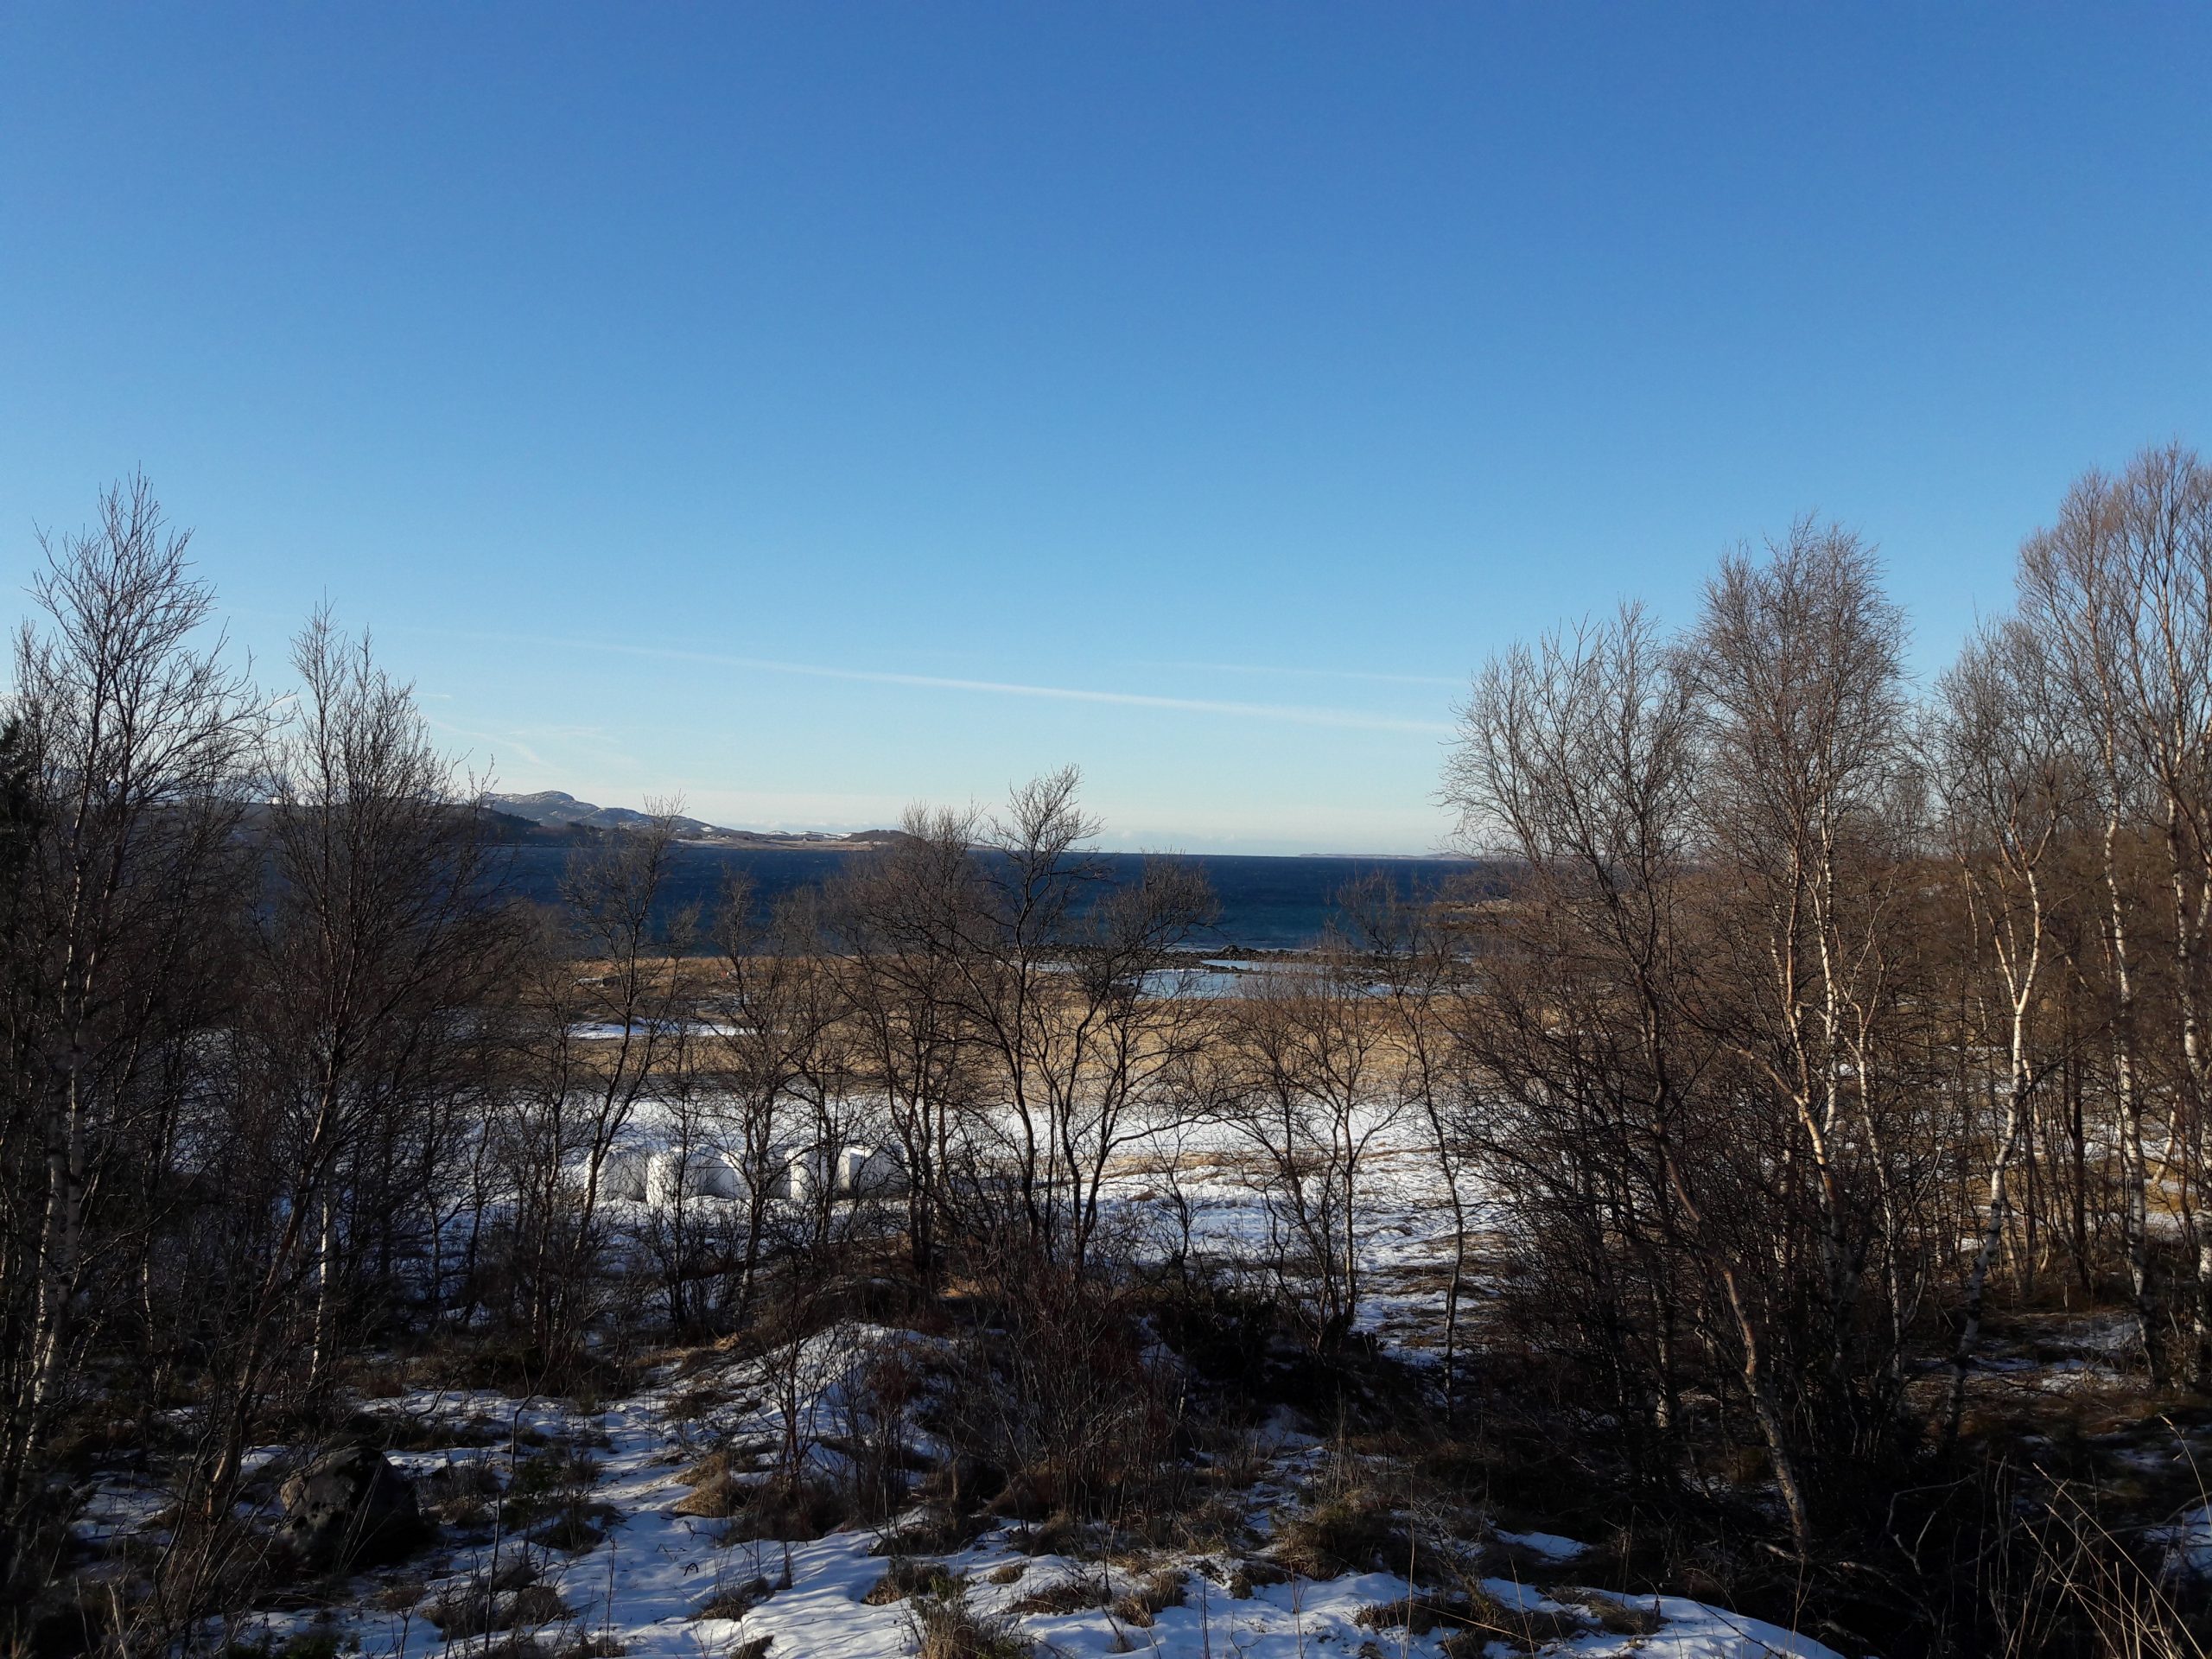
555, 816
765, 842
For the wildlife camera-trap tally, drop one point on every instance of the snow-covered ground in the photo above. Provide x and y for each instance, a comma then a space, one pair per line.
661, 1582
642, 1576
654, 1579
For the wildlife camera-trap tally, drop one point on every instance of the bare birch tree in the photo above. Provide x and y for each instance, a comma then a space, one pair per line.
135, 734
2011, 786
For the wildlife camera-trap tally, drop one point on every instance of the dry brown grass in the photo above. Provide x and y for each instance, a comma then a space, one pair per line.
1354, 1533
952, 1630
905, 1579
737, 1458
697, 1401
784, 1513
1473, 1619
1068, 1596
1059, 1533
713, 1497
1420, 1614
1255, 1573
937, 1532
399, 1595
478, 1610
1614, 1615
733, 1602
1157, 1590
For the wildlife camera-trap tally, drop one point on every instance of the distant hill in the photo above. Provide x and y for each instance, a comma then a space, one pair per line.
558, 806
556, 813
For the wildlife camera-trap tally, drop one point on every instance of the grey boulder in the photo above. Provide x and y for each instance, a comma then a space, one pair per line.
349, 1507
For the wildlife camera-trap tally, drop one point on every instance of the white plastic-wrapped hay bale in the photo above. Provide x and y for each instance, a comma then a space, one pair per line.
716, 1176
698, 1173
871, 1173
622, 1177
804, 1178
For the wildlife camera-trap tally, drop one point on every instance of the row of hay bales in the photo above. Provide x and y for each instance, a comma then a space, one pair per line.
805, 1176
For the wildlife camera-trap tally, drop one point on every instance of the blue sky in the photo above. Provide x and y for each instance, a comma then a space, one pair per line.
807, 410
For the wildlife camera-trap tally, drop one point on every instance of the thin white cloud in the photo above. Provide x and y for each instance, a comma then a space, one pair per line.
598, 735
1300, 714
498, 741
1371, 675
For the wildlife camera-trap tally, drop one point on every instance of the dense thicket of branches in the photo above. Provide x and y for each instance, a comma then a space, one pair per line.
1810, 1017
1822, 1011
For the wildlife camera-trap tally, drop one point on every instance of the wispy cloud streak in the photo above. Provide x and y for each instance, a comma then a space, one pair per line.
1299, 713
1372, 676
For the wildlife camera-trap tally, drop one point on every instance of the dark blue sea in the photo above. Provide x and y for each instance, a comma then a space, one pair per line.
1267, 903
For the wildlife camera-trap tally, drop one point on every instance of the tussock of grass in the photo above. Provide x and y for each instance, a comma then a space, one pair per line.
952, 1630
577, 1530
469, 1477
513, 1573
1473, 1620
713, 1497
937, 1532
790, 1514
1215, 1522
407, 1431
553, 1483
537, 1604
1255, 1574
736, 1458
472, 1610
905, 1578
1524, 1630
307, 1644
1057, 1534
400, 1595
1029, 1495
1068, 1596
1158, 1591
1614, 1615
1421, 1614
764, 1508
459, 1494
733, 1602
1352, 1534
698, 1400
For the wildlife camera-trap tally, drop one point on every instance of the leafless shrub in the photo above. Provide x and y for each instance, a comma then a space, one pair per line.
1058, 1392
